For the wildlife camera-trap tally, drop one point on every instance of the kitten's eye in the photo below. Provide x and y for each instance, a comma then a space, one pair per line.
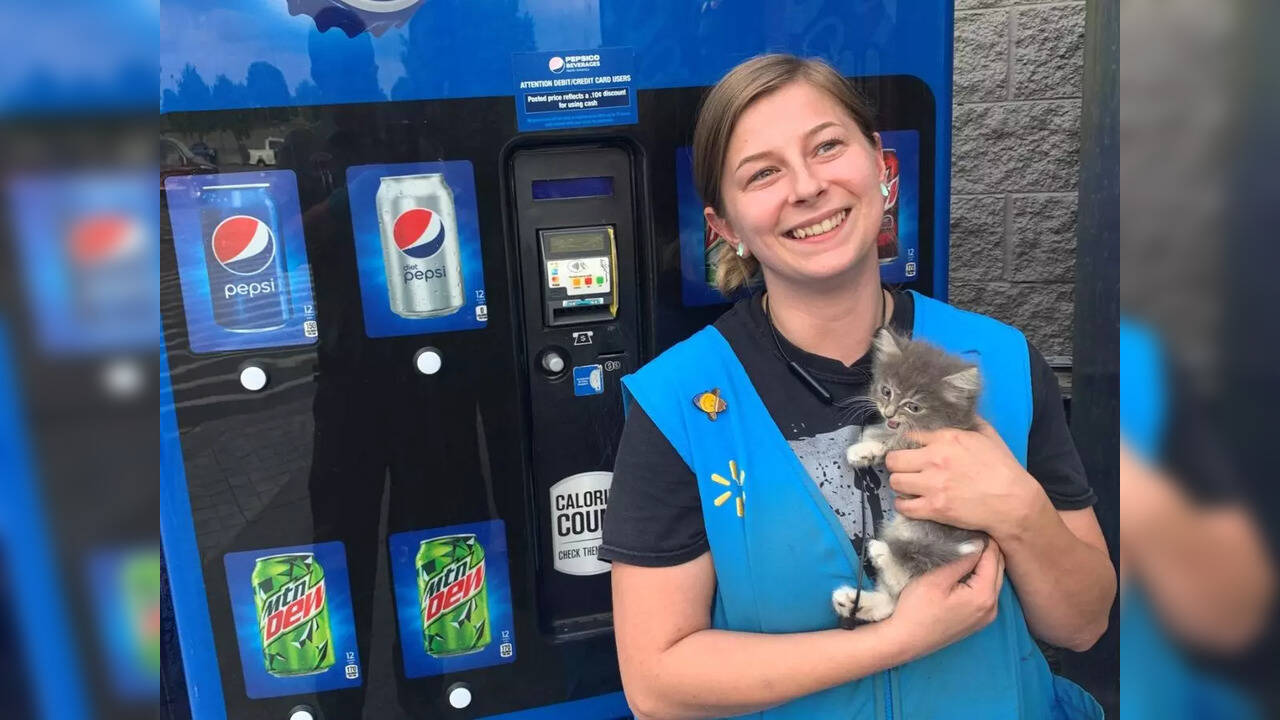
885, 391
911, 407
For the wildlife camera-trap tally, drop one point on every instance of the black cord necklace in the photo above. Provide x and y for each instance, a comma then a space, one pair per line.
801, 374
825, 396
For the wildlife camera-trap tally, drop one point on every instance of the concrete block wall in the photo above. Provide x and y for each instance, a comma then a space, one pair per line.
1015, 163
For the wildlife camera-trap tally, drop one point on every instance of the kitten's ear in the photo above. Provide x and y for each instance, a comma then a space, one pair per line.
886, 345
964, 384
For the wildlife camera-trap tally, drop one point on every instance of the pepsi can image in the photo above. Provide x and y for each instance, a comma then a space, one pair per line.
420, 250
244, 256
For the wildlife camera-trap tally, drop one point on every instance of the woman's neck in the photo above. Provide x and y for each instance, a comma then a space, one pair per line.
837, 321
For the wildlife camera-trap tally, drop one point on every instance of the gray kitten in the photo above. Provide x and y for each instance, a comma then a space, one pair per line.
916, 386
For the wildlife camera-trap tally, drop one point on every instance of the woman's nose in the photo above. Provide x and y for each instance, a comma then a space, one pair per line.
806, 185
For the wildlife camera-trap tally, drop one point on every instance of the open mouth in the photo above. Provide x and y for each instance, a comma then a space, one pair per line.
893, 424
819, 228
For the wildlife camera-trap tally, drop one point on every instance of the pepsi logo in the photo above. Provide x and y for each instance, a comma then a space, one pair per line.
243, 245
102, 238
556, 64
419, 233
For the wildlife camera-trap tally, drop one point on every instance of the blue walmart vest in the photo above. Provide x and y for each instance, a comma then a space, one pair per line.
779, 550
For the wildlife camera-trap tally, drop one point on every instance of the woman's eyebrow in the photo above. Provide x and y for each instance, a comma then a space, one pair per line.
765, 153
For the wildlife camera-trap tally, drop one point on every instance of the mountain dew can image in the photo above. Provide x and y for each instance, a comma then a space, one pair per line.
293, 615
453, 595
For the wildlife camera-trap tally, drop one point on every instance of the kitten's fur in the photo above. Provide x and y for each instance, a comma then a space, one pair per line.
916, 386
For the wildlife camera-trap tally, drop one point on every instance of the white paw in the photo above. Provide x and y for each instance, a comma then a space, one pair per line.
969, 548
843, 598
864, 454
875, 606
877, 552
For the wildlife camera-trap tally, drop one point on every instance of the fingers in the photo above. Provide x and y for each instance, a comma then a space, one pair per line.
999, 569
911, 483
916, 508
903, 461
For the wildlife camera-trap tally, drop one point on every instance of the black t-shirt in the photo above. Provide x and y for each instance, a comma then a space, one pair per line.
655, 514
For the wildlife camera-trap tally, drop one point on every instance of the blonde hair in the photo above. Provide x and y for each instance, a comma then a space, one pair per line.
725, 103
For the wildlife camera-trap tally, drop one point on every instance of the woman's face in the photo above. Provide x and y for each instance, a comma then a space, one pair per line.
801, 187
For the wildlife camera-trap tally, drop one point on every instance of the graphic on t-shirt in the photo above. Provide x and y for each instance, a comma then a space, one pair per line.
823, 457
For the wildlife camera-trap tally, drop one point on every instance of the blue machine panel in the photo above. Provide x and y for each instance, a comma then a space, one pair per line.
339, 93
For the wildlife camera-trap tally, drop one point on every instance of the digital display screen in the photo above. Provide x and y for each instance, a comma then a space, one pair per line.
571, 188
596, 240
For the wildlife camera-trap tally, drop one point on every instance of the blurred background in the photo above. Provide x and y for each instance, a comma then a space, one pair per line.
1199, 138
79, 327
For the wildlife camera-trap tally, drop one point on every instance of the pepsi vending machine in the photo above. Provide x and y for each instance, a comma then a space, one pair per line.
393, 341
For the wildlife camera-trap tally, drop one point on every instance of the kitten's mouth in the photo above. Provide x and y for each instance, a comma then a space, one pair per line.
892, 424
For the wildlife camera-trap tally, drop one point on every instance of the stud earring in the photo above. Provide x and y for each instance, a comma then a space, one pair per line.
742, 250
884, 190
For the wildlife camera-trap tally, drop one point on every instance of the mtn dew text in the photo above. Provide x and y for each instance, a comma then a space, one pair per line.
293, 614
453, 595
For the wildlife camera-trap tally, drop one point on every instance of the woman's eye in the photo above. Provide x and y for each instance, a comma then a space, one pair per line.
761, 175
828, 146
885, 391
911, 407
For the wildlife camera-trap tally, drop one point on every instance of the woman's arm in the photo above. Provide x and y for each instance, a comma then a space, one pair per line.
675, 666
1058, 561
1206, 569
1059, 566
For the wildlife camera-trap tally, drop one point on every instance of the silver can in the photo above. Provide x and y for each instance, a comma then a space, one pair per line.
420, 246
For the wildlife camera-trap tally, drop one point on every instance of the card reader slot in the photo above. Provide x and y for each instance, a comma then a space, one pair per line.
586, 313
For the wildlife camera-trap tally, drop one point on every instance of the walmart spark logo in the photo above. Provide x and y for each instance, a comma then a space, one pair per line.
737, 475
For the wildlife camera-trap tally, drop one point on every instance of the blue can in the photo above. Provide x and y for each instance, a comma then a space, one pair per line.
248, 284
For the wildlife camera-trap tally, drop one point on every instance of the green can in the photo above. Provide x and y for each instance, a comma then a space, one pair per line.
293, 614
453, 594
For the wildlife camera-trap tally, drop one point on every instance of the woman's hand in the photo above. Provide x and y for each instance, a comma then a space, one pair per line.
968, 479
937, 608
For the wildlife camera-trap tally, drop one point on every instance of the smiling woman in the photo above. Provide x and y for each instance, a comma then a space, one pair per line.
741, 506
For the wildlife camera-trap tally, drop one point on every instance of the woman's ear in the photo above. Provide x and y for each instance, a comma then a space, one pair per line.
719, 226
879, 156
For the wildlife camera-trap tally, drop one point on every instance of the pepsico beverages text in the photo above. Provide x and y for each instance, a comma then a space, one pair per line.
419, 230
245, 258
293, 614
453, 595
887, 240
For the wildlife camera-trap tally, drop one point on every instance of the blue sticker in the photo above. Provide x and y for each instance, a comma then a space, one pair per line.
242, 260
301, 602
89, 247
479, 587
582, 88
588, 380
899, 238
417, 235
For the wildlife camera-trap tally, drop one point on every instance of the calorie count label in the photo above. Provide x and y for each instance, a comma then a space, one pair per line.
291, 607
580, 276
578, 507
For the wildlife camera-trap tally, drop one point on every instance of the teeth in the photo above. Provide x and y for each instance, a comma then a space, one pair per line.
819, 228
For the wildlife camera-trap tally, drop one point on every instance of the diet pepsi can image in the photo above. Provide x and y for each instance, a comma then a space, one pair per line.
244, 256
420, 245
